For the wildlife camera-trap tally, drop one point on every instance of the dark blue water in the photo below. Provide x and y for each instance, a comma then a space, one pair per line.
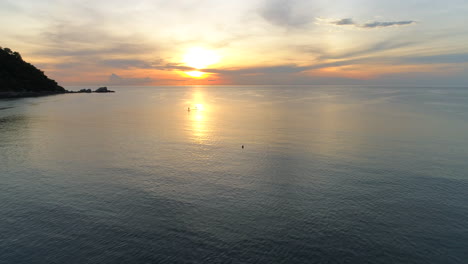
329, 174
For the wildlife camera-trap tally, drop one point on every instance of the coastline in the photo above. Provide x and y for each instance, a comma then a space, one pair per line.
15, 95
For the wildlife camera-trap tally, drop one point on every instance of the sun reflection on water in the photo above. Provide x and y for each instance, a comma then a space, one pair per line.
198, 118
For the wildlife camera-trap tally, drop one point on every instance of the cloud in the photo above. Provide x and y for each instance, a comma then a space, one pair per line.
8, 6
371, 49
115, 79
67, 39
125, 63
344, 22
291, 76
375, 24
284, 13
158, 64
458, 58
289, 71
454, 58
291, 68
172, 66
111, 49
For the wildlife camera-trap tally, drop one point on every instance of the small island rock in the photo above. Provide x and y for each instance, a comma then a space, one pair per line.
103, 90
85, 91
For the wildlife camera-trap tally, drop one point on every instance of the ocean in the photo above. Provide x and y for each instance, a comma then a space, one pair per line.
236, 174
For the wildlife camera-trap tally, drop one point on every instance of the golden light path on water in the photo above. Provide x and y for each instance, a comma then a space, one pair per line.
198, 111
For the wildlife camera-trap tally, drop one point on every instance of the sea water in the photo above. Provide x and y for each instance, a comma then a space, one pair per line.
328, 174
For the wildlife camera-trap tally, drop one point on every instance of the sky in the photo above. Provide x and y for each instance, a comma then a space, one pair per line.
261, 42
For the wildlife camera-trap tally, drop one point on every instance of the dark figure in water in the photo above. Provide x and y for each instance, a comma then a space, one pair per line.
242, 146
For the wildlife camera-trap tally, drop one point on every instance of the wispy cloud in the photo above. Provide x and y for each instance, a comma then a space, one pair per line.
375, 24
290, 68
454, 58
374, 48
68, 39
158, 64
290, 71
126, 63
344, 22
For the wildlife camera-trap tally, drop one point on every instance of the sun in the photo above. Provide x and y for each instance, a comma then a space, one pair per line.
199, 58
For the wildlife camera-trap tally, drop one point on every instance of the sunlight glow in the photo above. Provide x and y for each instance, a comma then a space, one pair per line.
199, 107
195, 74
200, 58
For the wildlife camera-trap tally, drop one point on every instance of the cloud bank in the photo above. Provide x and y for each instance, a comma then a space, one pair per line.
259, 41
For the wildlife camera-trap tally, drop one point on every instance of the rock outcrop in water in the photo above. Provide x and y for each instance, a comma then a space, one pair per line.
85, 91
98, 90
103, 90
21, 79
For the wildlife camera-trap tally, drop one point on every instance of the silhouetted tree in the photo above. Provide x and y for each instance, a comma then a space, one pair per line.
17, 55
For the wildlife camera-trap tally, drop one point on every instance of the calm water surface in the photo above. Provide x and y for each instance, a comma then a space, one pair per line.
329, 174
